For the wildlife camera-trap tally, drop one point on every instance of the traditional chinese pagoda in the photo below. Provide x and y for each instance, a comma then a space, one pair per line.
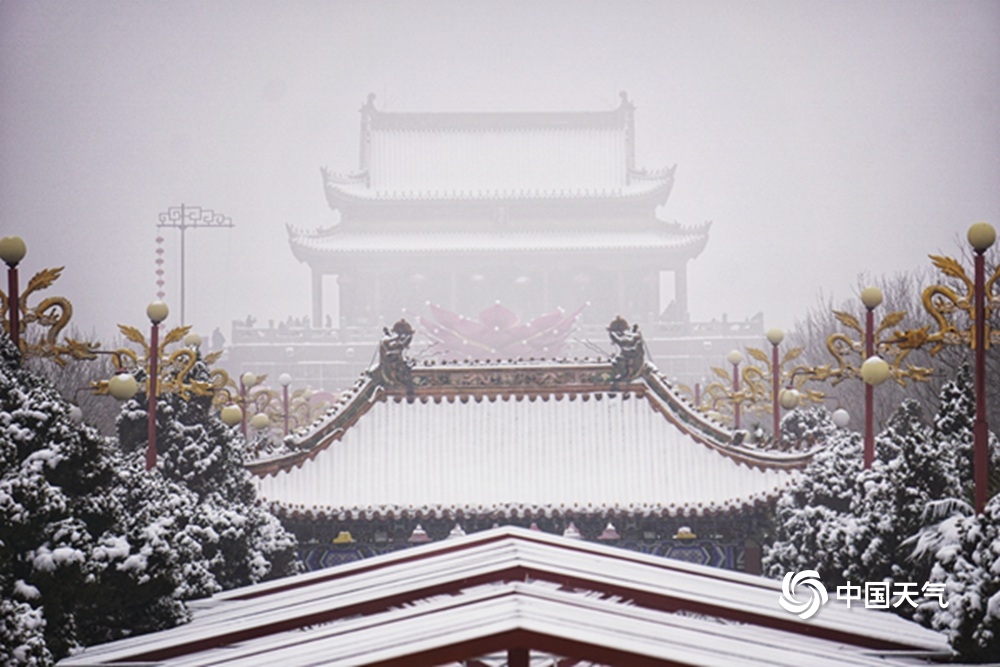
536, 210
543, 213
601, 449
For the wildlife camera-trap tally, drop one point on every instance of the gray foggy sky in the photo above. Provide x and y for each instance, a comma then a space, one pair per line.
824, 139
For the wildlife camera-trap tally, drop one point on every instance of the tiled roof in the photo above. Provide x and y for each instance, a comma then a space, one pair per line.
515, 156
504, 183
663, 238
512, 589
537, 438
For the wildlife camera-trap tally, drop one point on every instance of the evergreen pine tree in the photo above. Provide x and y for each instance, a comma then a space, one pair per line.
241, 542
77, 564
956, 548
965, 553
812, 518
909, 472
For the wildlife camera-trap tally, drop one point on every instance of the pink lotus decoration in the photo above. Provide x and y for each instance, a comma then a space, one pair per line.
498, 333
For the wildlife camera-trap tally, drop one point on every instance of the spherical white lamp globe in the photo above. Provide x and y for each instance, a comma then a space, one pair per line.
788, 399
874, 371
231, 415
871, 297
123, 386
157, 311
981, 236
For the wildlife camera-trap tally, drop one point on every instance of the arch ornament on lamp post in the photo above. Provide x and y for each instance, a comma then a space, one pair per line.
160, 373
12, 251
977, 298
850, 355
728, 392
52, 313
760, 389
764, 383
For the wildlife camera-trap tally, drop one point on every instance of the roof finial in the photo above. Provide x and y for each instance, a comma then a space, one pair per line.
631, 357
394, 367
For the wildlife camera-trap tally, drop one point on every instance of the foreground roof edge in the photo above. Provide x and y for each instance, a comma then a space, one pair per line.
387, 589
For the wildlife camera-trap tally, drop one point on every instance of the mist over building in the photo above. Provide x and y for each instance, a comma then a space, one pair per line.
499, 235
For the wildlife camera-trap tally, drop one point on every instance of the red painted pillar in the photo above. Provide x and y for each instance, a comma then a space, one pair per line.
518, 657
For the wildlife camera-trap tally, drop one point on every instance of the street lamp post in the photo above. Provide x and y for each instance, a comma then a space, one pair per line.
774, 337
157, 311
874, 371
871, 297
186, 217
735, 357
12, 251
284, 380
247, 380
981, 237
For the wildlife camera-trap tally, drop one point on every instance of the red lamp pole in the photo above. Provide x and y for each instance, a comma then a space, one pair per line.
774, 337
980, 429
735, 358
14, 306
243, 403
981, 236
154, 345
869, 392
871, 297
247, 380
284, 391
284, 380
157, 312
12, 251
775, 383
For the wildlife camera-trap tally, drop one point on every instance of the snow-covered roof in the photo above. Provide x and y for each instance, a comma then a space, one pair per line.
514, 589
515, 156
519, 438
664, 241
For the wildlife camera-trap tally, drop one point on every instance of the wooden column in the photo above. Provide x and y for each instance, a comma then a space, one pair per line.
378, 314
545, 293
453, 300
620, 285
317, 297
518, 657
681, 292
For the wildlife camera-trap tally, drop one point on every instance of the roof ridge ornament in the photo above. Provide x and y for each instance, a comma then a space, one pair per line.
394, 365
630, 360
